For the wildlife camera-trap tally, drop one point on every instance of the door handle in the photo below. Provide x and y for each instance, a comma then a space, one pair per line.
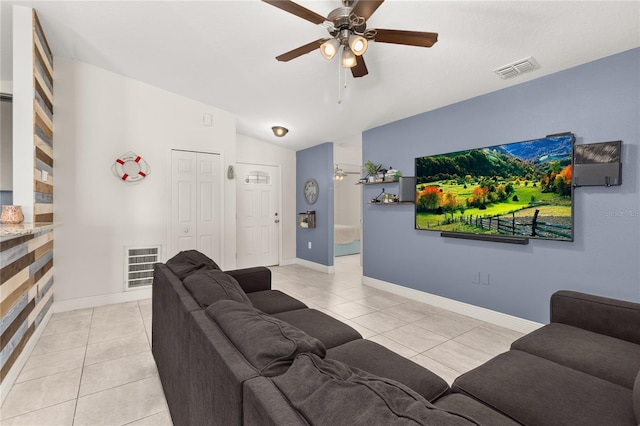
186, 230
277, 221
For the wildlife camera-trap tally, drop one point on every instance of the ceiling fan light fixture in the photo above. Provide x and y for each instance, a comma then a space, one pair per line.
279, 131
358, 44
348, 58
329, 48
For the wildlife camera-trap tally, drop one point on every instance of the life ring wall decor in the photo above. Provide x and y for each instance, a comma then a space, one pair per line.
130, 167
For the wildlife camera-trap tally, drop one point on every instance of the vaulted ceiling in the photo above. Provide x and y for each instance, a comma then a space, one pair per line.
223, 53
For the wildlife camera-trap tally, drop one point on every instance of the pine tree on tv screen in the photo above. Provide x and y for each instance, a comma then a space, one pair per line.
520, 189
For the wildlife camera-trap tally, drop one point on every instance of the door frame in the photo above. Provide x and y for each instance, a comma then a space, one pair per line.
222, 174
279, 188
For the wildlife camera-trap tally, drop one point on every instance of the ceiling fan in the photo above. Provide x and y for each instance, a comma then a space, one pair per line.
347, 26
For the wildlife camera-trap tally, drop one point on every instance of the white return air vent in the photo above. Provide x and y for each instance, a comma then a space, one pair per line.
516, 68
139, 266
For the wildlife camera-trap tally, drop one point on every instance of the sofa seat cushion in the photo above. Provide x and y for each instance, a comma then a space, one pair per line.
380, 361
212, 285
274, 301
608, 358
323, 327
537, 392
187, 262
461, 404
269, 344
328, 392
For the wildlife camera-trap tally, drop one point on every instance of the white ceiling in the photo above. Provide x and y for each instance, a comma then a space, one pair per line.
223, 53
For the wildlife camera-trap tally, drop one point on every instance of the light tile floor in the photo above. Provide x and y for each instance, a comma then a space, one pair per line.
94, 366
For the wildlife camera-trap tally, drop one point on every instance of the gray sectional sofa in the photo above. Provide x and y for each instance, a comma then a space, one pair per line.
230, 350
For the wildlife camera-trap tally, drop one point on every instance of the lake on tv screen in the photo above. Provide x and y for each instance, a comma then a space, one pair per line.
518, 189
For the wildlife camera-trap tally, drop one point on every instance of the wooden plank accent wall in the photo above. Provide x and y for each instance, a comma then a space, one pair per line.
26, 262
42, 125
26, 292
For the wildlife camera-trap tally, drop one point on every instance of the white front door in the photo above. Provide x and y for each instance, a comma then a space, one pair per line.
196, 213
258, 215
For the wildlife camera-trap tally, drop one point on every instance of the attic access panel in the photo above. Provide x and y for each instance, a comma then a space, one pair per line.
597, 164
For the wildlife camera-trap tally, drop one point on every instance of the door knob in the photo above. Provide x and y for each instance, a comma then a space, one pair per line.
277, 221
186, 230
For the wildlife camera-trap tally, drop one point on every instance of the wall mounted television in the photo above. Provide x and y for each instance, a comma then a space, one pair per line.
515, 191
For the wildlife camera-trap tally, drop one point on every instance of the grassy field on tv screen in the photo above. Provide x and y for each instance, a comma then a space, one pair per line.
518, 189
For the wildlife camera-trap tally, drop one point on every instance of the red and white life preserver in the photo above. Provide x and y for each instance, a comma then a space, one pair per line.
130, 167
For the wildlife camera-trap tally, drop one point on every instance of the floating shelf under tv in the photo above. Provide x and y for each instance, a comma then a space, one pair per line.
377, 183
397, 203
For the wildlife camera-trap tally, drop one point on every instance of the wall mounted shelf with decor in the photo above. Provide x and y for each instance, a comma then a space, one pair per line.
406, 192
307, 219
394, 203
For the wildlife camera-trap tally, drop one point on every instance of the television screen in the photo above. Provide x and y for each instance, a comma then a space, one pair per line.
520, 189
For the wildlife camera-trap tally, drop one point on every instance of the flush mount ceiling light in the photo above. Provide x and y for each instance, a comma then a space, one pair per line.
279, 131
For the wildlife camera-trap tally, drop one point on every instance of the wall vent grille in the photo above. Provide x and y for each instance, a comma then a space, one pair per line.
139, 266
516, 68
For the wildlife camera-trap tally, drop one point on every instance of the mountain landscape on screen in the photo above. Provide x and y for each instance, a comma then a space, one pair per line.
521, 189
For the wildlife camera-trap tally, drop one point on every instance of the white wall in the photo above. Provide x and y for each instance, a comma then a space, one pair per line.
250, 150
99, 116
347, 152
23, 193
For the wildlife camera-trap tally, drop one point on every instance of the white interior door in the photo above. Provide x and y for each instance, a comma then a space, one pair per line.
196, 214
258, 215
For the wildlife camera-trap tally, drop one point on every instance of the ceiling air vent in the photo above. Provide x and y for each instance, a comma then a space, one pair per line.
516, 68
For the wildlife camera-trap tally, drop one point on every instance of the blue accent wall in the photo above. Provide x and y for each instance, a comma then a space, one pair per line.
598, 101
317, 163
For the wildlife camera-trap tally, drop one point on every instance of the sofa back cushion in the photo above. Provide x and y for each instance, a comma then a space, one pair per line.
209, 286
332, 393
190, 261
636, 398
269, 344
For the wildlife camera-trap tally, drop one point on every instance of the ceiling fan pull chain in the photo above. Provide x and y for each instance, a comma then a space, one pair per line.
340, 77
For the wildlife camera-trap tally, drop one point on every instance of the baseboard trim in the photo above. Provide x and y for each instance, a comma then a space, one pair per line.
315, 266
106, 299
483, 314
22, 359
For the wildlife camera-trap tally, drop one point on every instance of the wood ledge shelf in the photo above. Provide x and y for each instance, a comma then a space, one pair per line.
391, 204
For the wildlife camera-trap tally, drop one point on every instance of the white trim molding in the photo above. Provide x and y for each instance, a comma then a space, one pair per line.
315, 266
106, 299
483, 314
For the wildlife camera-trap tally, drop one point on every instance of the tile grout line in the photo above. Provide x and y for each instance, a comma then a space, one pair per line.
84, 359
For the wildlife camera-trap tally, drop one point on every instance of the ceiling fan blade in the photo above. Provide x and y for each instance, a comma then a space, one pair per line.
365, 8
360, 70
309, 47
296, 9
411, 38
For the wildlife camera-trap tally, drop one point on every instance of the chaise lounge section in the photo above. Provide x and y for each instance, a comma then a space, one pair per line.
230, 350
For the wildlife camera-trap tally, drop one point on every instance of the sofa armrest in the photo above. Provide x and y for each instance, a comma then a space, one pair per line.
252, 279
611, 317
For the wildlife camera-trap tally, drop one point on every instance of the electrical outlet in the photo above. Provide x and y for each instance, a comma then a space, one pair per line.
309, 245
481, 278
